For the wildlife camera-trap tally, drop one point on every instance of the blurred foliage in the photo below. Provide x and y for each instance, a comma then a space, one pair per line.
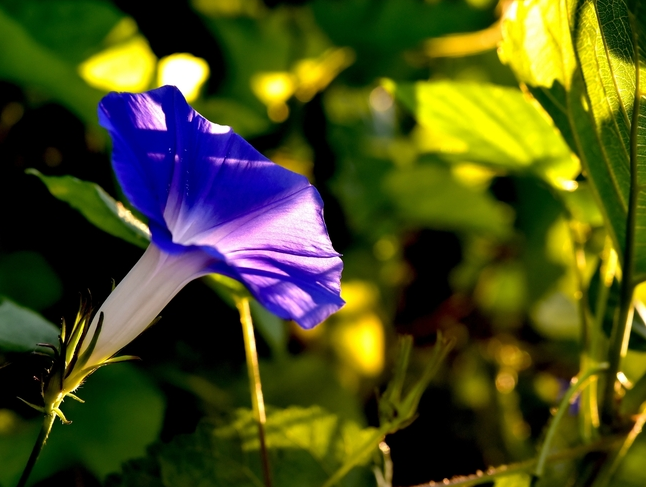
474, 159
306, 445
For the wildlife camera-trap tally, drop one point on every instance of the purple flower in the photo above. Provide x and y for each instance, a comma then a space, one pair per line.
214, 205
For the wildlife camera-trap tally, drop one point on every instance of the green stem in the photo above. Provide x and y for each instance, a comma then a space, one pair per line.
589, 338
255, 386
48, 421
563, 407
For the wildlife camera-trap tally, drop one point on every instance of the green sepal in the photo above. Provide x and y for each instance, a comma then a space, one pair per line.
120, 358
75, 397
85, 356
40, 409
61, 416
79, 332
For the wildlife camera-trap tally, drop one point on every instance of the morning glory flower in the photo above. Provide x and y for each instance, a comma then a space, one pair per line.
214, 205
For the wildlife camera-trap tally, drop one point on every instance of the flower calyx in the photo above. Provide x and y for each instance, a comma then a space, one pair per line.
70, 366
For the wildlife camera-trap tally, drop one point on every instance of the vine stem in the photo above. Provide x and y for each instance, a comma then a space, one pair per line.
255, 386
577, 384
48, 422
492, 474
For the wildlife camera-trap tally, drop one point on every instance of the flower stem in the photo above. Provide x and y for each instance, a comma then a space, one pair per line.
48, 421
254, 382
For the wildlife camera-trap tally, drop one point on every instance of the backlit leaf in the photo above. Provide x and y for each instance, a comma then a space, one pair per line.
579, 60
98, 207
491, 125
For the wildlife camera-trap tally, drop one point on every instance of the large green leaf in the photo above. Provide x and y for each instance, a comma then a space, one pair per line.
306, 446
98, 207
21, 329
429, 195
579, 60
73, 29
492, 125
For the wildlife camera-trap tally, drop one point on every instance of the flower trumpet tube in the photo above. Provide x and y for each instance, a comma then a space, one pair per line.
214, 205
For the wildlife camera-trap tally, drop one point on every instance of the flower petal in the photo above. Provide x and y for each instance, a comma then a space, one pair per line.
152, 132
293, 287
142, 294
203, 186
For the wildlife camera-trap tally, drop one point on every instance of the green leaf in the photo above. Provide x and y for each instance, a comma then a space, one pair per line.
98, 207
122, 414
73, 29
28, 279
305, 447
579, 60
26, 62
491, 125
429, 195
21, 329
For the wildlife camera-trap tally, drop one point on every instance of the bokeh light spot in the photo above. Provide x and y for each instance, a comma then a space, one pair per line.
187, 72
126, 67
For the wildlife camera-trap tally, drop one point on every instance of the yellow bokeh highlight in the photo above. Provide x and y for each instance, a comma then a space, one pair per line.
386, 248
9, 422
187, 72
359, 296
547, 387
128, 66
274, 89
306, 79
315, 74
361, 343
358, 336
